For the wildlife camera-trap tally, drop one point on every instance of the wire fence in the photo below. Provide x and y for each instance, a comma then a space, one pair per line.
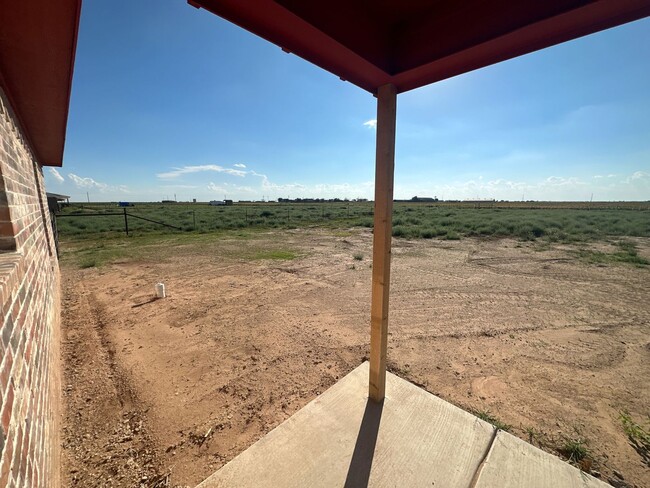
98, 218
124, 214
552, 220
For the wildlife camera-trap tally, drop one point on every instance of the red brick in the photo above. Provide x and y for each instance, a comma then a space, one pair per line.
15, 309
15, 465
7, 229
6, 459
7, 330
28, 351
24, 455
5, 213
7, 407
6, 370
30, 302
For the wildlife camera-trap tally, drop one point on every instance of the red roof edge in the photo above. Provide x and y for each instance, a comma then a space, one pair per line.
296, 36
37, 51
275, 23
590, 19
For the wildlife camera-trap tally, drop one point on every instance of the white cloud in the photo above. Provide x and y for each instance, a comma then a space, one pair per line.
320, 190
91, 184
176, 172
81, 182
371, 124
560, 181
216, 188
254, 188
254, 185
56, 175
634, 186
227, 188
637, 179
598, 177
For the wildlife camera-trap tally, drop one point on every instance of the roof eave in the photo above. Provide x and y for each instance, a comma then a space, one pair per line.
271, 21
37, 52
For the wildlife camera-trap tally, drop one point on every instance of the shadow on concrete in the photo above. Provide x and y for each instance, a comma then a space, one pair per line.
364, 449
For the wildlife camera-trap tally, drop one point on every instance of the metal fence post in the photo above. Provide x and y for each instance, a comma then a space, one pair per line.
126, 223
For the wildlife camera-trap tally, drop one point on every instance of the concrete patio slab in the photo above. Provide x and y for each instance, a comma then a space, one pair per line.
513, 463
412, 439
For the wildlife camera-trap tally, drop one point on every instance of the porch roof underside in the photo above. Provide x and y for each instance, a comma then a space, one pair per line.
37, 47
412, 43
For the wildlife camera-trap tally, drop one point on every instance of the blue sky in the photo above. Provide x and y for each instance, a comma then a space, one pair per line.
170, 100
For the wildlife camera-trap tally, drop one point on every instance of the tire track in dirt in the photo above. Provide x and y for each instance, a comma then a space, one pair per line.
116, 451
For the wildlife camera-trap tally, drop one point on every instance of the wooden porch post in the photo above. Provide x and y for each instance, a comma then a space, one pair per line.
384, 170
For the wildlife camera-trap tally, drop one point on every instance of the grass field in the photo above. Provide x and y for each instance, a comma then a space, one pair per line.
553, 222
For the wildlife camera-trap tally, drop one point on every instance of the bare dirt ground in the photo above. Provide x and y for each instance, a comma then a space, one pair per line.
163, 393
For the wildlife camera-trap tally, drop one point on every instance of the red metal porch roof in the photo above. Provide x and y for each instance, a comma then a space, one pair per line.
411, 43
37, 48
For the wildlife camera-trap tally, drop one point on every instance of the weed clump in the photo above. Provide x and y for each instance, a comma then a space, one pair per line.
637, 434
488, 417
626, 254
278, 255
574, 449
88, 263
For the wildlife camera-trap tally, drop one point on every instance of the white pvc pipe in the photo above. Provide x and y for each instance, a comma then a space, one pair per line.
160, 290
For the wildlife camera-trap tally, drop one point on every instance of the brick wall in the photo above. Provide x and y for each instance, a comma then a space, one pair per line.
30, 307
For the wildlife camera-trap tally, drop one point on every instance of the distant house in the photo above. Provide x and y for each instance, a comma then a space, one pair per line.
56, 202
216, 203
